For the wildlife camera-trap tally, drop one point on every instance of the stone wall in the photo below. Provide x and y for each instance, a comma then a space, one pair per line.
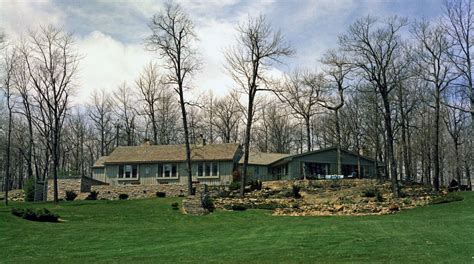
112, 192
63, 186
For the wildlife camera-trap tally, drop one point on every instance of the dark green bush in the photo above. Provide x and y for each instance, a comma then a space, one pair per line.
175, 206
451, 197
40, 215
223, 193
160, 194
207, 203
236, 175
70, 195
235, 185
255, 185
123, 196
267, 206
379, 197
92, 195
238, 207
29, 190
295, 190
370, 192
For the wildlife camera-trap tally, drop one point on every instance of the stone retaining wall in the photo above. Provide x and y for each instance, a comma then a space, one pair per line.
63, 186
112, 192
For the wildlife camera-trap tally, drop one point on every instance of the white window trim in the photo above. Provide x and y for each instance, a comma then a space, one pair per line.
204, 166
162, 176
131, 178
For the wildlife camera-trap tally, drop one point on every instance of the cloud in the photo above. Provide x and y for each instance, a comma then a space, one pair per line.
107, 63
17, 17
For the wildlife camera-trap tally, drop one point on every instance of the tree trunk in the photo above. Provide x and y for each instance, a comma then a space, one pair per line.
390, 152
338, 135
186, 139
55, 157
248, 128
8, 150
436, 142
308, 133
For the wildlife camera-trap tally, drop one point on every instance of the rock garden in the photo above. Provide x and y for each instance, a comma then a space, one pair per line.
326, 197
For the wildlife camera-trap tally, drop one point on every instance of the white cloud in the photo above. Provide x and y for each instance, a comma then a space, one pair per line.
16, 17
106, 63
214, 37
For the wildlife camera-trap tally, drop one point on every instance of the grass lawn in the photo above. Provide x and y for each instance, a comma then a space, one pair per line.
150, 231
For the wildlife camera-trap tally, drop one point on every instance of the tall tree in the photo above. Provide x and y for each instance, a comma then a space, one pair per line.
337, 70
437, 71
258, 47
374, 48
173, 38
100, 113
149, 84
9, 64
52, 64
301, 90
460, 27
227, 118
124, 102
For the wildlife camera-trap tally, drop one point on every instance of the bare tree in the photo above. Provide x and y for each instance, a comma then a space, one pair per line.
227, 118
301, 90
124, 102
9, 64
173, 37
52, 64
460, 27
259, 46
150, 85
100, 112
337, 70
436, 70
374, 49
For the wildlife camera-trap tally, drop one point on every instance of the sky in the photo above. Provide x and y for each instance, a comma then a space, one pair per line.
110, 34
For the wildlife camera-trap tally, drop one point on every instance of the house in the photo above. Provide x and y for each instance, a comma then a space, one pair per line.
313, 164
212, 164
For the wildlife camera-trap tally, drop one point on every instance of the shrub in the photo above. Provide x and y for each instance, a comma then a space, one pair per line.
207, 203
123, 196
29, 190
267, 206
451, 197
370, 192
40, 215
160, 194
256, 185
295, 190
223, 193
238, 207
235, 185
175, 206
379, 197
236, 176
70, 195
92, 195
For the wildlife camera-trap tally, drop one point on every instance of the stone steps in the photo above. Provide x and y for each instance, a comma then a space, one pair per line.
193, 206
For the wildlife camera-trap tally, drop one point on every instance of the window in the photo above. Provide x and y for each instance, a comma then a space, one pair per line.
167, 170
208, 169
128, 172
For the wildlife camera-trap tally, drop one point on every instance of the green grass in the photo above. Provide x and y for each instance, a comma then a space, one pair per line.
150, 231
